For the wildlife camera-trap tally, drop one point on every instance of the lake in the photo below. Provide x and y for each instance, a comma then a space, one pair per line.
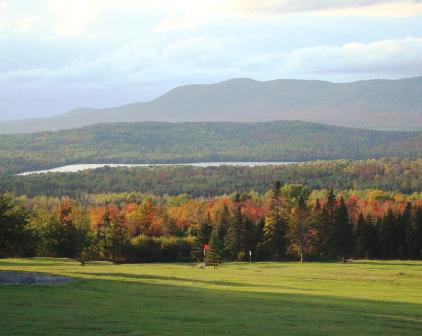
79, 167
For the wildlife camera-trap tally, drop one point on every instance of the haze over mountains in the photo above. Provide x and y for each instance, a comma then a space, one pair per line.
377, 104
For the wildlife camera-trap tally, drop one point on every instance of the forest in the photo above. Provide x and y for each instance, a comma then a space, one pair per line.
155, 142
287, 222
390, 175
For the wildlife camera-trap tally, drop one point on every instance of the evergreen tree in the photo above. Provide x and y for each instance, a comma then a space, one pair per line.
361, 237
224, 221
202, 237
372, 241
388, 236
235, 242
216, 247
119, 237
299, 228
15, 236
404, 230
324, 223
274, 241
104, 235
259, 237
341, 238
412, 243
418, 232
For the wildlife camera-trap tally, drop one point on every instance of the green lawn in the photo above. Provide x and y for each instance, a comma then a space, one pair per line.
358, 298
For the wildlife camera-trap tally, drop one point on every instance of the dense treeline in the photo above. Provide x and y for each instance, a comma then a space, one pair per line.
195, 142
400, 175
287, 222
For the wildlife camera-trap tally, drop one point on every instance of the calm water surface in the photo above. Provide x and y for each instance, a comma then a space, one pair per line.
79, 167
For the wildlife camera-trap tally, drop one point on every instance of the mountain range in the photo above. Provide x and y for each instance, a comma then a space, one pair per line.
375, 104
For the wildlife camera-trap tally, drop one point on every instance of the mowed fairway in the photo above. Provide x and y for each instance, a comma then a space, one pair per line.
358, 298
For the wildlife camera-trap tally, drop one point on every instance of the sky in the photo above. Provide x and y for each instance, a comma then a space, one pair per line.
57, 55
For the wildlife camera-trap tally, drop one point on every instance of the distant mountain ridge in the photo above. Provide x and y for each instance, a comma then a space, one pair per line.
377, 104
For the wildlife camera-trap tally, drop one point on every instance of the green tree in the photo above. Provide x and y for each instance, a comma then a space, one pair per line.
104, 235
69, 232
119, 236
341, 239
299, 232
216, 247
388, 236
15, 235
274, 240
235, 242
202, 237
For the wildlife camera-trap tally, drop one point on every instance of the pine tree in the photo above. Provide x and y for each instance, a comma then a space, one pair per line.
388, 236
224, 220
341, 238
274, 241
373, 243
216, 247
259, 237
299, 228
361, 237
15, 238
325, 222
418, 232
104, 235
235, 239
119, 236
404, 231
202, 237
412, 242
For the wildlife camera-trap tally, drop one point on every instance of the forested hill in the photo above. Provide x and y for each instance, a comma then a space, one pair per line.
194, 142
390, 175
376, 104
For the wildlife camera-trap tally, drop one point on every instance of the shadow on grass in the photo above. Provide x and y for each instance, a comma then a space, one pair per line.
146, 277
387, 263
116, 307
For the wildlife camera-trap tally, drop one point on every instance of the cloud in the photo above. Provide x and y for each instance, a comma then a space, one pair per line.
388, 58
26, 24
388, 8
206, 58
105, 52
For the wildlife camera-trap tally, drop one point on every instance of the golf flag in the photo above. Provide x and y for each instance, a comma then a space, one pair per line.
206, 246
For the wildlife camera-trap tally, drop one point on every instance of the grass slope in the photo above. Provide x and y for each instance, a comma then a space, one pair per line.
359, 298
193, 142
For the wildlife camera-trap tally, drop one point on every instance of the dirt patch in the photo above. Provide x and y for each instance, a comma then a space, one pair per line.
30, 278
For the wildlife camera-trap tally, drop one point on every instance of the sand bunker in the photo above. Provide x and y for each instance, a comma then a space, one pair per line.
30, 278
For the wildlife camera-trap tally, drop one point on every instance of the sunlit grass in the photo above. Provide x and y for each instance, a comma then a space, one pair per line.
358, 298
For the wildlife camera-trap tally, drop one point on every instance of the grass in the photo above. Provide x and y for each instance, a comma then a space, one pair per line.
358, 298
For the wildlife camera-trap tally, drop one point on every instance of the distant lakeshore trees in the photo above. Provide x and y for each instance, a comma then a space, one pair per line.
288, 222
391, 175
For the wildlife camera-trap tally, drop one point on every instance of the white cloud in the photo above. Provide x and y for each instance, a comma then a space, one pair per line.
205, 57
106, 49
26, 24
387, 8
388, 58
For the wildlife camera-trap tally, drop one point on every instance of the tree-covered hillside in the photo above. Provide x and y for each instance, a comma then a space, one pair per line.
389, 175
194, 142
